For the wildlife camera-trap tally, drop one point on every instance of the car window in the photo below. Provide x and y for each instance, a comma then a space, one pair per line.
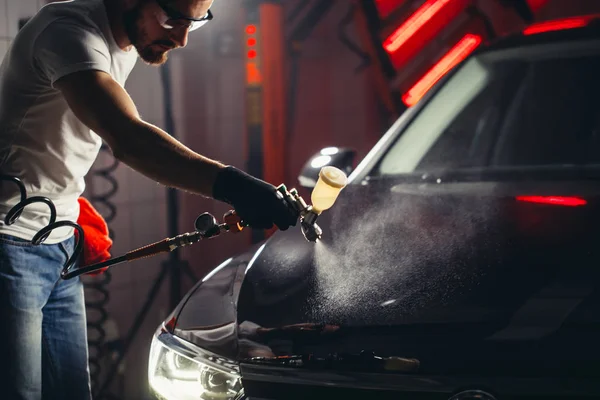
505, 113
555, 118
467, 140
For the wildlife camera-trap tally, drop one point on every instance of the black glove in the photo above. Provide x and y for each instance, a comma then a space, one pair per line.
257, 202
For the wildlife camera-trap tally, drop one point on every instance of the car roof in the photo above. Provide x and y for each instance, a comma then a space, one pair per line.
576, 28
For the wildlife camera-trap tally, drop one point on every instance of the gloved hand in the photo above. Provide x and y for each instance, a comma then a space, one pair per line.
257, 202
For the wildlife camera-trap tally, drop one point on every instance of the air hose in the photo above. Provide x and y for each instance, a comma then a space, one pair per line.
96, 287
97, 294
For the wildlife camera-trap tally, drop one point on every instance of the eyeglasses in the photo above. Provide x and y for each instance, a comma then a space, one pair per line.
172, 19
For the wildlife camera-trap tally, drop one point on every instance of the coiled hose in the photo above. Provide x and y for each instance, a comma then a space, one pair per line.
96, 287
97, 295
14, 213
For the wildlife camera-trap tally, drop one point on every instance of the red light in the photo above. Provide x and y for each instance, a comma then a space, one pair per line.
251, 29
559, 25
170, 325
555, 200
413, 24
457, 54
252, 54
251, 42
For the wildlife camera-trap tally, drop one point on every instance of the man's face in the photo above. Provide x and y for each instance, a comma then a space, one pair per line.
155, 27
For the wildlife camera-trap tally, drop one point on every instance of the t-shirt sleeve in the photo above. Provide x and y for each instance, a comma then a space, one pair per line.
65, 47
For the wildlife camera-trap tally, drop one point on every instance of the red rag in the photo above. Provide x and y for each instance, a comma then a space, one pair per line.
96, 243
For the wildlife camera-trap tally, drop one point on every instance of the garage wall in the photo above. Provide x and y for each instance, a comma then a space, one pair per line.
10, 13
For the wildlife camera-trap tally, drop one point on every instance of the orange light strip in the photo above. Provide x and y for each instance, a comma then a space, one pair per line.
253, 75
559, 25
457, 54
415, 22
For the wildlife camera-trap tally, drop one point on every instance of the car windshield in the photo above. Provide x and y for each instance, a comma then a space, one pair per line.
524, 107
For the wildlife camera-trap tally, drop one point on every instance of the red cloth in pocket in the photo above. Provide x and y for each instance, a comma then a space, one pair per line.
97, 242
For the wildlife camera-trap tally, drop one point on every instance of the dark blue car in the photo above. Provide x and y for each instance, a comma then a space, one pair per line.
462, 261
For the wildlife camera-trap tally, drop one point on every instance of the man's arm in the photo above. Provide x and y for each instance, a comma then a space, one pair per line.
104, 106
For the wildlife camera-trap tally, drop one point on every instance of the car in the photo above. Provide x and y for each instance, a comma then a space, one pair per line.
460, 262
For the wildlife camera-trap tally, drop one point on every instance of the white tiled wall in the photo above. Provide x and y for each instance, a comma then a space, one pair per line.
3, 18
17, 9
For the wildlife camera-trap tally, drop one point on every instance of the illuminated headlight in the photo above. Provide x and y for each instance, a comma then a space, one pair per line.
178, 370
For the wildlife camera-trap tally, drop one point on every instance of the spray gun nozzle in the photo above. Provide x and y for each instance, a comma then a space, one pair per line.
312, 232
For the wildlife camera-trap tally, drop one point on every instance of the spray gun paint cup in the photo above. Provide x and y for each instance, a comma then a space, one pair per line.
331, 182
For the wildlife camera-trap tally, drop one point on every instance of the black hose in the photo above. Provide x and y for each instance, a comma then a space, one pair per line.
346, 41
97, 296
14, 213
522, 8
96, 287
487, 22
313, 17
296, 11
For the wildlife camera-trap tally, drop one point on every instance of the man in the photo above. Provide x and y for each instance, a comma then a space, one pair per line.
61, 94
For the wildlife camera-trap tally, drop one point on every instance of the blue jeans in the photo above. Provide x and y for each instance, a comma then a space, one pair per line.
43, 337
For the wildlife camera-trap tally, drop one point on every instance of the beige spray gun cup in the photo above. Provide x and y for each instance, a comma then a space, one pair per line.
331, 182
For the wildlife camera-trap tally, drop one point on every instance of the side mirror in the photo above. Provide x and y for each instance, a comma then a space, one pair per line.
338, 157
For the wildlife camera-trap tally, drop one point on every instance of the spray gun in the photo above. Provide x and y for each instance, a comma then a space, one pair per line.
329, 185
331, 182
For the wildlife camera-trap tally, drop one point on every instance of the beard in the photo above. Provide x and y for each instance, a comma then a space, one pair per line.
150, 52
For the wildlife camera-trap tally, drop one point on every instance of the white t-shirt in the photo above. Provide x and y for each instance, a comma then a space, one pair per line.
41, 140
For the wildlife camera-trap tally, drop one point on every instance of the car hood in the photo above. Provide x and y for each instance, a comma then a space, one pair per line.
437, 281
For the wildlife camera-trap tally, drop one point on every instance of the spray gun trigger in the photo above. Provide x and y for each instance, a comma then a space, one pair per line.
233, 222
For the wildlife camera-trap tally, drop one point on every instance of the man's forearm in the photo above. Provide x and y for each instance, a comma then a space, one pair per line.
157, 155
105, 107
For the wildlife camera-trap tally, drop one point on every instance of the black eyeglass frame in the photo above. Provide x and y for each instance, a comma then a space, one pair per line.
175, 15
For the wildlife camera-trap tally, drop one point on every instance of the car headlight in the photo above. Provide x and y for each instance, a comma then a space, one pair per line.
179, 370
